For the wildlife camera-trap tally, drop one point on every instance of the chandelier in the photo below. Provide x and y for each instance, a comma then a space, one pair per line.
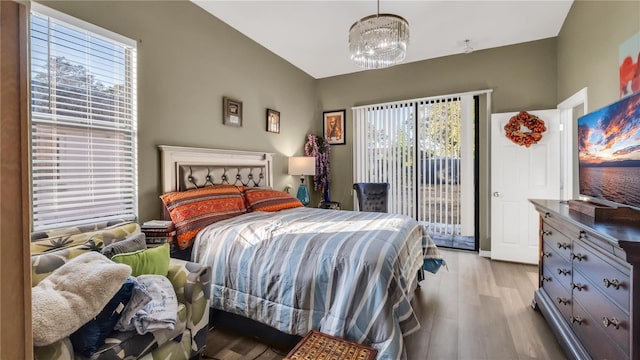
378, 41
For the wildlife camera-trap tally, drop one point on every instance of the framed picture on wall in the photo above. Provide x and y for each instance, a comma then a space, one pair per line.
333, 127
231, 112
629, 65
273, 121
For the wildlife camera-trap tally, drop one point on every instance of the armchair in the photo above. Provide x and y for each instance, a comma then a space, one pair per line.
372, 197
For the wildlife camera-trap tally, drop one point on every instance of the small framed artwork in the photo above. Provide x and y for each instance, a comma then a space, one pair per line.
231, 112
273, 121
333, 126
629, 67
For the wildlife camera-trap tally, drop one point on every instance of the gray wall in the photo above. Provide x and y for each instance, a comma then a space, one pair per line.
522, 76
588, 48
187, 61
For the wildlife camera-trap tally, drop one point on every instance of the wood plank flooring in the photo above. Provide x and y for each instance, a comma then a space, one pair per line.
477, 309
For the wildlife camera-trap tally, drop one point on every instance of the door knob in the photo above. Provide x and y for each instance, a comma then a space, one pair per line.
496, 194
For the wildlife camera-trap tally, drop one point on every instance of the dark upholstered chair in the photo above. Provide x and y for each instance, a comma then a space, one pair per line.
373, 197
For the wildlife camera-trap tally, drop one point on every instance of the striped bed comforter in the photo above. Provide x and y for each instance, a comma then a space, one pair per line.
347, 274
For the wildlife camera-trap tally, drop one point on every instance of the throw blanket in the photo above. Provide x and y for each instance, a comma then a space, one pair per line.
73, 294
347, 274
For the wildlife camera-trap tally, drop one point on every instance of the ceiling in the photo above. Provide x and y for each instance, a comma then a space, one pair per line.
313, 35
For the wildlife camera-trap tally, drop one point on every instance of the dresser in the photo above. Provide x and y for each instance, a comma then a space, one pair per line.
589, 282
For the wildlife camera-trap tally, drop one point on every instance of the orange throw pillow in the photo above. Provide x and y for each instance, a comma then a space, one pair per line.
193, 210
259, 199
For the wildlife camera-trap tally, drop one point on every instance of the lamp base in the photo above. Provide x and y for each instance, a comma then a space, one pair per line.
303, 194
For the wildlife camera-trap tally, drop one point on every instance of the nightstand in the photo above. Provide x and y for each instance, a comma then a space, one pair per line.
333, 205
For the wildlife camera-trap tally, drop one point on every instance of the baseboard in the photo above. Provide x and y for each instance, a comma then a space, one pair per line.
485, 253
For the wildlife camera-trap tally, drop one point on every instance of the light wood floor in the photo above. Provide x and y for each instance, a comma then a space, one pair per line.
477, 309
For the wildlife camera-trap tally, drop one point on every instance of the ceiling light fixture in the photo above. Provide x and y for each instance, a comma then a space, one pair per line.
468, 49
378, 41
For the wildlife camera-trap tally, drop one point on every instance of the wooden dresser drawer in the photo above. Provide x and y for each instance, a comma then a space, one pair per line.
604, 272
560, 295
556, 240
569, 230
557, 264
599, 345
601, 319
602, 309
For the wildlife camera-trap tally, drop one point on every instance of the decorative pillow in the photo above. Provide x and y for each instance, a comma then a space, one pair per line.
114, 233
104, 236
192, 210
91, 335
38, 235
42, 265
132, 243
74, 294
149, 261
261, 199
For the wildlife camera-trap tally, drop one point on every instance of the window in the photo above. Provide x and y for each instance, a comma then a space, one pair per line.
83, 122
425, 149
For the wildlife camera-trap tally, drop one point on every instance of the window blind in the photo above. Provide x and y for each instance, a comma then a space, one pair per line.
83, 123
384, 145
424, 149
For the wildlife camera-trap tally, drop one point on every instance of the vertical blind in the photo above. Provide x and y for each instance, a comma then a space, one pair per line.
424, 149
383, 151
438, 162
83, 124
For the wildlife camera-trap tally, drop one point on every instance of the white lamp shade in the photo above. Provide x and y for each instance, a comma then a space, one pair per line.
302, 165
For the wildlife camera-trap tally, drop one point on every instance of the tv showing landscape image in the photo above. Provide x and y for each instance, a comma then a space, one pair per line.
609, 152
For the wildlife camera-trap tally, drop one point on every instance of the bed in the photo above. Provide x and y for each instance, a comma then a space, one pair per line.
347, 274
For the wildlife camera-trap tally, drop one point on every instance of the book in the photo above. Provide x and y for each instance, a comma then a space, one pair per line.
158, 239
158, 232
157, 224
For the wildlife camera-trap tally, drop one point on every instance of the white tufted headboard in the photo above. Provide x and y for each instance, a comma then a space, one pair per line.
184, 168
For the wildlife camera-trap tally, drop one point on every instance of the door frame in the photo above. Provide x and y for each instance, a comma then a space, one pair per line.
568, 142
568, 150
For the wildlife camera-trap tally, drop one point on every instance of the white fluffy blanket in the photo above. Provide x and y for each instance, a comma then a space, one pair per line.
73, 294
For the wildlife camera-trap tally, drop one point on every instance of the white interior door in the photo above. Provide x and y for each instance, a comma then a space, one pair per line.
519, 173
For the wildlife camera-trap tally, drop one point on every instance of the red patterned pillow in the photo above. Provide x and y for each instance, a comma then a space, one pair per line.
192, 210
259, 199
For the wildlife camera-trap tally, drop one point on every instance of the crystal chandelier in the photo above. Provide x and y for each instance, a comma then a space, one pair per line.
378, 41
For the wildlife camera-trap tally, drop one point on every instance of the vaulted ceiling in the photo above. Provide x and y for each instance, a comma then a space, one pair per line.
313, 35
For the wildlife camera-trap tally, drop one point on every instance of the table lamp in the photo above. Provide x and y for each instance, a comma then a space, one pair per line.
303, 166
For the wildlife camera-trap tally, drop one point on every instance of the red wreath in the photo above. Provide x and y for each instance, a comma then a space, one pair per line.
533, 123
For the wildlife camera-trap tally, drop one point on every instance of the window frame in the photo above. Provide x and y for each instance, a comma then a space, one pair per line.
130, 134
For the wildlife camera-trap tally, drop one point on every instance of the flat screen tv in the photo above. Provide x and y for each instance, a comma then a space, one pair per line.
609, 153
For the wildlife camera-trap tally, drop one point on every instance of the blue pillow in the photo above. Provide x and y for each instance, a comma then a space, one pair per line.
88, 339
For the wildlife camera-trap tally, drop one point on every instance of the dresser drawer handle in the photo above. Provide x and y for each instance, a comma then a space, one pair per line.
546, 232
547, 215
615, 283
578, 286
576, 320
563, 301
578, 257
582, 235
564, 245
545, 278
564, 272
613, 322
546, 254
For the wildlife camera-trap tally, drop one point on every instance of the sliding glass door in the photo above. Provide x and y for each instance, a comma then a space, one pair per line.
425, 150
